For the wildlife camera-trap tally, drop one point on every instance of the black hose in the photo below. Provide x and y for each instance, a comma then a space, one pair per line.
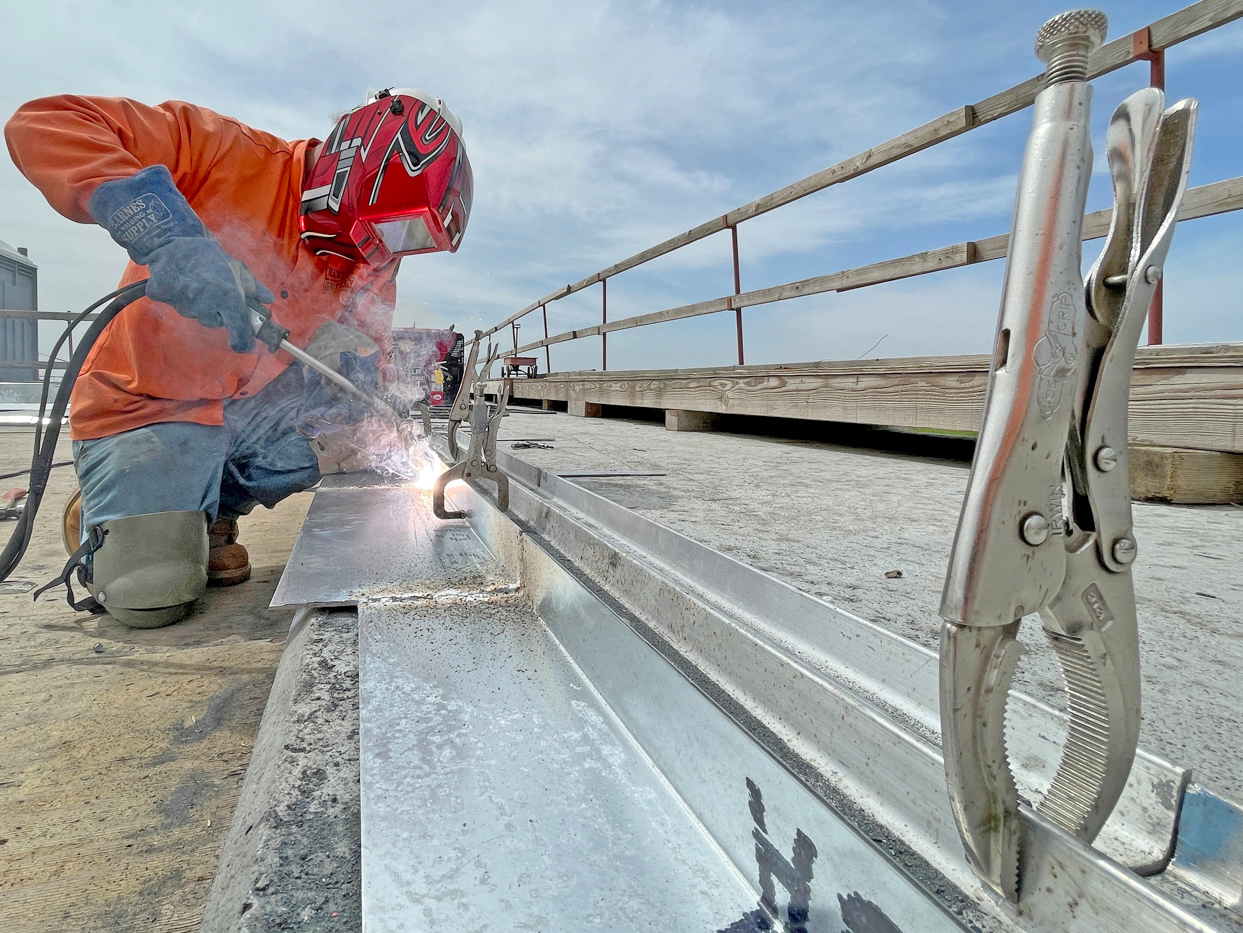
16, 473
45, 442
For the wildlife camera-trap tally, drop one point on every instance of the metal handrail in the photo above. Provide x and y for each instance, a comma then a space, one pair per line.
47, 315
1146, 44
32, 364
37, 316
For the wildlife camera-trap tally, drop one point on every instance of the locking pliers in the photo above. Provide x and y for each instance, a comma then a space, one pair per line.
480, 459
1046, 521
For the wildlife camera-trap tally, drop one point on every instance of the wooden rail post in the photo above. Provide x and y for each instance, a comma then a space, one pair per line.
733, 232
604, 319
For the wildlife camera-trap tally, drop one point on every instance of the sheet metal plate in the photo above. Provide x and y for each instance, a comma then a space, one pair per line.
382, 541
499, 793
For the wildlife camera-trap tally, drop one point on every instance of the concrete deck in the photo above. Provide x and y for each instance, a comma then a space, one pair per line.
122, 752
833, 521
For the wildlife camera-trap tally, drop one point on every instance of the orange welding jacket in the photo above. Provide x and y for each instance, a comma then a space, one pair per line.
150, 364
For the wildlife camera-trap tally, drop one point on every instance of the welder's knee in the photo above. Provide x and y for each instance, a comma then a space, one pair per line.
149, 569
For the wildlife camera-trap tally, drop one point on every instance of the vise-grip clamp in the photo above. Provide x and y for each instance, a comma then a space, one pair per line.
461, 403
1046, 522
480, 459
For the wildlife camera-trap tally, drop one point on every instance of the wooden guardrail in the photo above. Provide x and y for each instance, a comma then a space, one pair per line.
1146, 44
1216, 198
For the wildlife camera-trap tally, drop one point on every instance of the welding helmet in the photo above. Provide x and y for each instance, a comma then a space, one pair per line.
392, 180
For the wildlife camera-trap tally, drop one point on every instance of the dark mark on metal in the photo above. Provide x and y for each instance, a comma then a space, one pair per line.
862, 916
795, 874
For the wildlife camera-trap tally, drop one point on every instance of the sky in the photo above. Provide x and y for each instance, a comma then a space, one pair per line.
597, 129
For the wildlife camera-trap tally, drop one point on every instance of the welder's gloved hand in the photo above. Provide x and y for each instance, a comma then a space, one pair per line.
341, 347
326, 407
147, 215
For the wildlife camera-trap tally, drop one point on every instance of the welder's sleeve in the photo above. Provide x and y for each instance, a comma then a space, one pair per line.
69, 145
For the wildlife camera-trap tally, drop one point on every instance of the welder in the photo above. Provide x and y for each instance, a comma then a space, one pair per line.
180, 421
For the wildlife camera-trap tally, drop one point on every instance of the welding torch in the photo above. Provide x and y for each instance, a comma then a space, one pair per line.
276, 337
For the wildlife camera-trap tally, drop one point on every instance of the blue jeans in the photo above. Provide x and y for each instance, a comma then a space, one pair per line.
256, 457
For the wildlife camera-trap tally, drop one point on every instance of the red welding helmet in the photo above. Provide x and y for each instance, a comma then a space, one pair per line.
392, 180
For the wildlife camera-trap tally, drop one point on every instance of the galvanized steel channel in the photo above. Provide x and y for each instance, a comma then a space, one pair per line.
637, 731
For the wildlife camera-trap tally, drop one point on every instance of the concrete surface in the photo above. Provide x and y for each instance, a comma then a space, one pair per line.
833, 521
122, 752
292, 858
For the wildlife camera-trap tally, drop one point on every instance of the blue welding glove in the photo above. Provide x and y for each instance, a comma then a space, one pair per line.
326, 408
147, 215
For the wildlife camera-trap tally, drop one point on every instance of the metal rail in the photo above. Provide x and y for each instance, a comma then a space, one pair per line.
1146, 44
37, 316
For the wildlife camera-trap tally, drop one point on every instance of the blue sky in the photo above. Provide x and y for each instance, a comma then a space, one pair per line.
597, 129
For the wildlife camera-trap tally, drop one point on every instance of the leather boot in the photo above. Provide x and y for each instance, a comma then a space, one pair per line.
227, 561
71, 523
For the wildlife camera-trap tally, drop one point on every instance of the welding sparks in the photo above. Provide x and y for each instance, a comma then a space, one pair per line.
393, 449
426, 464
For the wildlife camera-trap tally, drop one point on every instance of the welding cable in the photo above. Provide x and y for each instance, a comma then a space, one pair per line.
45, 442
16, 473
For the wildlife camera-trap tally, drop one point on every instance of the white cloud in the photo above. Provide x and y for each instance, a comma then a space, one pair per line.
599, 128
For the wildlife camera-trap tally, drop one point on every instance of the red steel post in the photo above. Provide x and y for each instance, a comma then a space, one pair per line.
733, 232
547, 356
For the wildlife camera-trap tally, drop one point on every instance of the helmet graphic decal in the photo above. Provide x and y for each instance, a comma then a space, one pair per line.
422, 137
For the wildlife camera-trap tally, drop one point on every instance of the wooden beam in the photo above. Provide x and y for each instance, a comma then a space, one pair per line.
1219, 197
1181, 396
1189, 477
678, 419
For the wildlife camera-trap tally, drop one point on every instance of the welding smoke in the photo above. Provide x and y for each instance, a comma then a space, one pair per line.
391, 448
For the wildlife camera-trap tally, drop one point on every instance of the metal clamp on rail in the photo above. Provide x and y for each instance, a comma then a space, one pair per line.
480, 459
1046, 522
461, 405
